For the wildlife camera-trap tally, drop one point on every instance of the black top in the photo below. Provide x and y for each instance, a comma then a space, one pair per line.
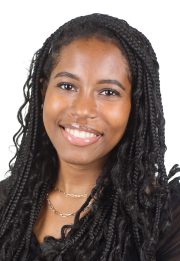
168, 248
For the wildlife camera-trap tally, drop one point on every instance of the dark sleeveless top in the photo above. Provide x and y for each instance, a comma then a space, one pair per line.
168, 248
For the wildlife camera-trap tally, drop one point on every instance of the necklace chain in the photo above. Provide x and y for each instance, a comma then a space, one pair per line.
70, 194
64, 215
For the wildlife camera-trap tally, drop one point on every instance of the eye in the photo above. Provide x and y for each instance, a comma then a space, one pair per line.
110, 92
66, 86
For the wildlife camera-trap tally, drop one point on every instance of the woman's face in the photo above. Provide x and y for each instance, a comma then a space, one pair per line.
87, 101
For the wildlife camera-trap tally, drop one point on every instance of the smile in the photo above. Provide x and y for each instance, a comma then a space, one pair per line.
78, 137
80, 134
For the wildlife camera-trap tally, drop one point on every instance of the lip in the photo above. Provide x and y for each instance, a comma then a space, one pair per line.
79, 127
77, 141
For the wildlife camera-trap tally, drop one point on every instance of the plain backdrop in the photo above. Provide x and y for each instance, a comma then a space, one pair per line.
24, 26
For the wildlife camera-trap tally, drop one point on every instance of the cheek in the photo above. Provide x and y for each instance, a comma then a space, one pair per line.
53, 107
118, 118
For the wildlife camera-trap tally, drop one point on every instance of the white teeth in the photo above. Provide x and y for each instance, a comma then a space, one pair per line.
80, 134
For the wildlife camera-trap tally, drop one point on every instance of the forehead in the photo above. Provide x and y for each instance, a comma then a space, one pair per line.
93, 54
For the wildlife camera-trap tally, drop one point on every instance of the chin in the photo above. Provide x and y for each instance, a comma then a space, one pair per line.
76, 160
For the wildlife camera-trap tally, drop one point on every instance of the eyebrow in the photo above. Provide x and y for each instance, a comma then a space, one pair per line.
112, 82
75, 77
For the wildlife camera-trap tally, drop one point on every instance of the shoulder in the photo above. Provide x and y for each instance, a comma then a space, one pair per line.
4, 190
169, 245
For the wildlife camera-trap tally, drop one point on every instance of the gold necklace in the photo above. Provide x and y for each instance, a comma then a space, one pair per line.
70, 194
64, 215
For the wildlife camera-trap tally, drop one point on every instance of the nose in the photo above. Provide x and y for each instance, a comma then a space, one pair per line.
84, 106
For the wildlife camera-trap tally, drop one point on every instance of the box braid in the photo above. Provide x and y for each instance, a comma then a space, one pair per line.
135, 192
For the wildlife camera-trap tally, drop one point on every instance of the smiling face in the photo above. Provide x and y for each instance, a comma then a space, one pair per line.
87, 101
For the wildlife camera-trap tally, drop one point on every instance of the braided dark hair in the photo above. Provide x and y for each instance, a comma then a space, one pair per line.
133, 207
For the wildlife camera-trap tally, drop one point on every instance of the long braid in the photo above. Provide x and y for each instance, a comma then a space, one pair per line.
111, 229
35, 208
25, 155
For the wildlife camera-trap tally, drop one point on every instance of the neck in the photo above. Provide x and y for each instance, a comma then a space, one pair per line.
77, 179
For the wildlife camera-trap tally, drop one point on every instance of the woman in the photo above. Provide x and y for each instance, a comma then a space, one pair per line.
88, 181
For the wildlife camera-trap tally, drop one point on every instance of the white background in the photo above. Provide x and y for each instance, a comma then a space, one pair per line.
24, 26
